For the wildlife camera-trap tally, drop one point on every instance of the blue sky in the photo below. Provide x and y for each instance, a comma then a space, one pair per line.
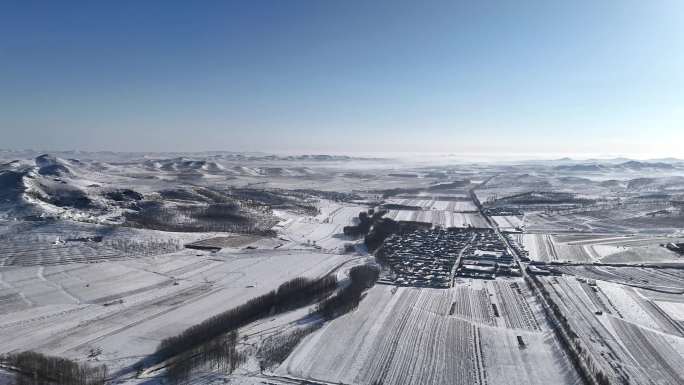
566, 77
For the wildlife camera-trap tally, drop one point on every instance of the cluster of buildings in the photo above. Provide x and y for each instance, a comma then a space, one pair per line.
424, 257
432, 257
487, 257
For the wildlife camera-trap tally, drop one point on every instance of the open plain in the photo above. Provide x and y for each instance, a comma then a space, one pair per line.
523, 273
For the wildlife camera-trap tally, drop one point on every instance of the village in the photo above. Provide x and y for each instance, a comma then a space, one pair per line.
433, 257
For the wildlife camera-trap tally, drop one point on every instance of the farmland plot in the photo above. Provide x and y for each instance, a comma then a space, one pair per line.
535, 363
126, 307
631, 305
513, 307
325, 230
588, 248
234, 241
566, 222
675, 310
561, 251
624, 220
540, 247
440, 218
26, 253
665, 279
623, 304
613, 345
438, 205
475, 300
651, 253
424, 203
616, 248
508, 222
456, 206
338, 213
655, 351
389, 340
426, 336
472, 304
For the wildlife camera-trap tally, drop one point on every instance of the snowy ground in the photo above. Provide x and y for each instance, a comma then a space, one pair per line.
607, 248
625, 332
126, 307
440, 218
124, 294
410, 335
323, 230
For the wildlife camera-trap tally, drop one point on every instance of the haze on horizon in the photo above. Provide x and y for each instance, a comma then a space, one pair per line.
455, 77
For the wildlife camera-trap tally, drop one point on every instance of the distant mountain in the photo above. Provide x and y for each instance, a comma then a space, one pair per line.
628, 165
637, 166
667, 160
183, 165
589, 167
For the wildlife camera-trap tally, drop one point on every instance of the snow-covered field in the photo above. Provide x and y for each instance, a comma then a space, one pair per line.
464, 205
440, 218
598, 248
625, 333
126, 307
85, 274
323, 230
410, 335
508, 222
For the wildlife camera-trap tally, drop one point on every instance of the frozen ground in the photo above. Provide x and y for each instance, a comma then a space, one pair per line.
410, 335
66, 291
627, 336
607, 248
440, 218
324, 229
126, 307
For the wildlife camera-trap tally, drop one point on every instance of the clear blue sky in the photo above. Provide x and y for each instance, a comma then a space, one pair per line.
336, 76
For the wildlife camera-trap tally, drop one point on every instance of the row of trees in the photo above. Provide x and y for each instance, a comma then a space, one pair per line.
291, 294
275, 349
361, 278
362, 227
144, 247
331, 195
212, 342
291, 200
200, 218
367, 219
375, 228
216, 354
37, 369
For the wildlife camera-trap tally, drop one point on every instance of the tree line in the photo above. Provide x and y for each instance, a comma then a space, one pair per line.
386, 227
275, 349
290, 295
360, 278
200, 218
367, 219
216, 354
212, 342
37, 369
375, 228
278, 347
